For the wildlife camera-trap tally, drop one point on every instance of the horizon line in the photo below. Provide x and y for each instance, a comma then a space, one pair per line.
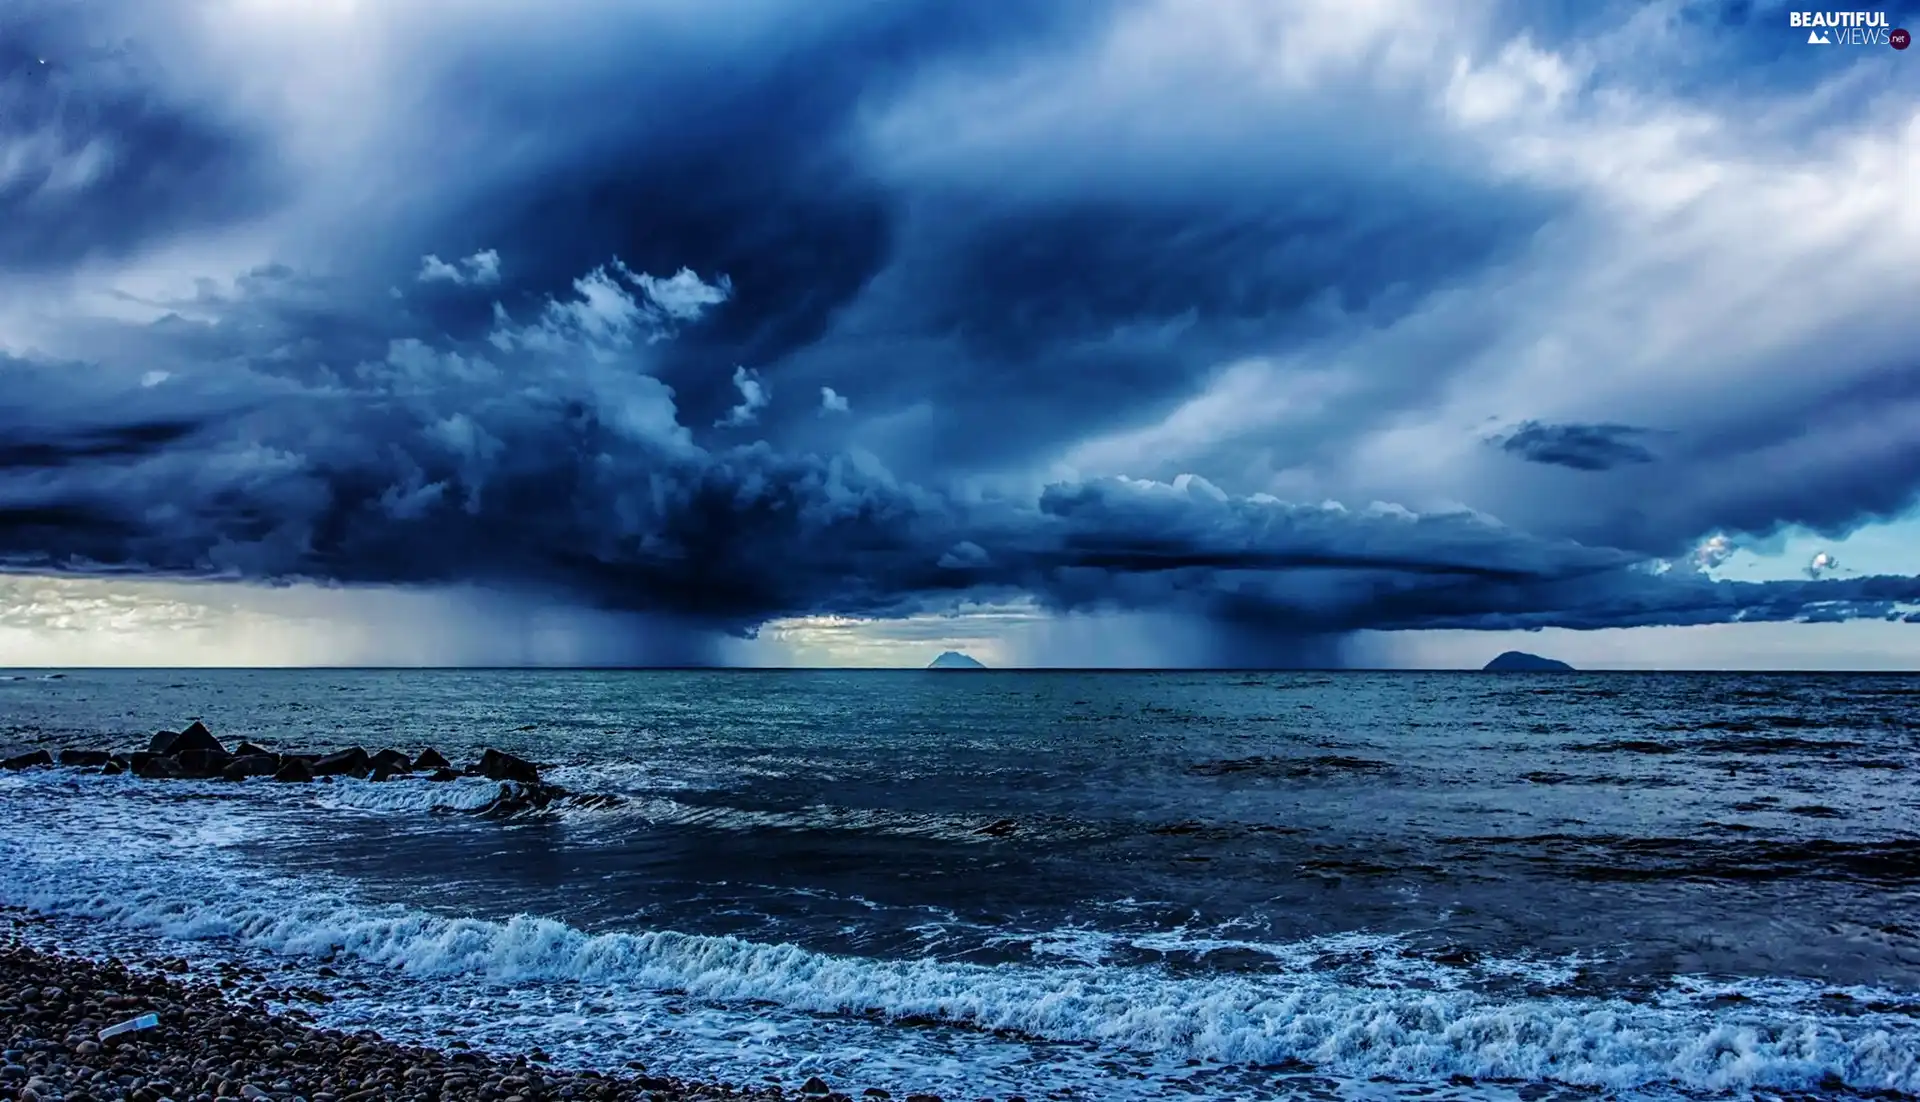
969, 669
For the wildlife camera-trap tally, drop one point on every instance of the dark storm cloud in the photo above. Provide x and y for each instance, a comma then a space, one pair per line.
1832, 499
555, 465
591, 356
79, 444
749, 168
1581, 447
752, 158
100, 159
1094, 310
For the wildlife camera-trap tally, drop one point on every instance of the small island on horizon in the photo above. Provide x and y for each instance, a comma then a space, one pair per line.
954, 660
1517, 660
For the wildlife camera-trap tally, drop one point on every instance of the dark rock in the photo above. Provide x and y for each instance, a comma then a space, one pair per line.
248, 750
1521, 661
815, 1085
84, 759
27, 761
162, 742
496, 765
431, 759
113, 768
203, 764
391, 761
196, 737
351, 762
519, 799
444, 775
252, 765
293, 770
156, 767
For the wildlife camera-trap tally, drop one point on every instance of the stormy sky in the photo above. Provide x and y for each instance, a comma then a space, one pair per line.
1163, 332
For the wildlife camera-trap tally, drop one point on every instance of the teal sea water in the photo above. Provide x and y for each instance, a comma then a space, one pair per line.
1071, 885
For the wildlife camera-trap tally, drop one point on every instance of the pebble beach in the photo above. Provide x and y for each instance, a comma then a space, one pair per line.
217, 1037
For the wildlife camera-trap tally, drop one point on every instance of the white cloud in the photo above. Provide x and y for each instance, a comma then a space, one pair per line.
604, 315
1714, 551
754, 397
684, 296
482, 269
832, 401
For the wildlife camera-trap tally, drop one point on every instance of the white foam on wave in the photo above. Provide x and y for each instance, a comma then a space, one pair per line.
1401, 1033
412, 795
1361, 957
625, 777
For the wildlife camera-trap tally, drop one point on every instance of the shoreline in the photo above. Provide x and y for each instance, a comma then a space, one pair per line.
220, 1040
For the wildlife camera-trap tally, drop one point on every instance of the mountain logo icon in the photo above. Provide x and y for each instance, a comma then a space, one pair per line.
1818, 38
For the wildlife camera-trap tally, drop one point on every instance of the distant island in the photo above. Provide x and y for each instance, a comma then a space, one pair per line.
1520, 660
954, 660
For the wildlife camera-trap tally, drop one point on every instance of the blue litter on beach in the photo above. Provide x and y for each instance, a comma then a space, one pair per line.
144, 1021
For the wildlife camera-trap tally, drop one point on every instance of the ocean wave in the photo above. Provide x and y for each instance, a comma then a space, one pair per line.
1611, 857
964, 828
466, 794
1681, 1039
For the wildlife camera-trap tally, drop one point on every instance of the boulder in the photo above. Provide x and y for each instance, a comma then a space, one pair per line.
497, 765
84, 759
516, 799
391, 761
431, 759
156, 767
202, 764
351, 762
249, 750
444, 775
27, 761
251, 765
294, 771
162, 742
113, 768
196, 737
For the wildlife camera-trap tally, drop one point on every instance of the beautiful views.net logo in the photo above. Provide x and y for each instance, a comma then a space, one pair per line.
1849, 28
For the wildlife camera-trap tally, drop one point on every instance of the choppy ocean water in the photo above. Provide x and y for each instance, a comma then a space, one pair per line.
1071, 885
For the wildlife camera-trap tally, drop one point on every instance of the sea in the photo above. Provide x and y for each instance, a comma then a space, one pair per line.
1060, 885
